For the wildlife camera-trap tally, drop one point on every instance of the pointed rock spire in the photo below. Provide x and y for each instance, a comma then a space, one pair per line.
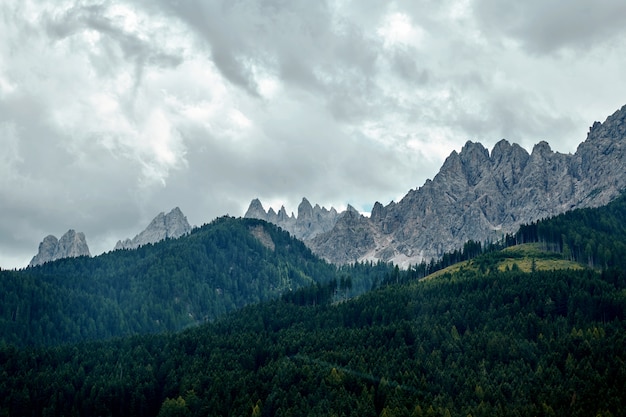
255, 210
71, 245
171, 225
310, 221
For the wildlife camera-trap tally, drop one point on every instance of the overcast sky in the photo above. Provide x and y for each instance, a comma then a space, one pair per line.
113, 111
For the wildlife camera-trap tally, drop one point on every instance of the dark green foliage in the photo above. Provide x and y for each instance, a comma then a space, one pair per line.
596, 237
546, 343
162, 287
471, 250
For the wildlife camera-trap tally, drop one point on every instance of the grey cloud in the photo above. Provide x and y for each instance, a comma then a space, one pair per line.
228, 28
53, 187
352, 119
235, 69
37, 147
303, 43
405, 64
294, 39
116, 43
548, 26
302, 155
519, 117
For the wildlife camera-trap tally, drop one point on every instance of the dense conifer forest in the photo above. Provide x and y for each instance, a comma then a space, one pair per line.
481, 341
501, 343
167, 286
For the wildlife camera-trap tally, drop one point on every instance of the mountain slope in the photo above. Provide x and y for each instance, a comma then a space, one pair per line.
157, 287
527, 257
481, 196
504, 343
497, 343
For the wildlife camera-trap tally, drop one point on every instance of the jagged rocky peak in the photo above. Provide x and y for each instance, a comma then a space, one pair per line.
176, 224
473, 152
352, 210
451, 163
256, 210
481, 196
164, 226
350, 216
509, 161
312, 221
504, 152
47, 250
605, 138
463, 169
500, 150
71, 245
607, 142
282, 215
305, 210
614, 128
353, 238
377, 212
475, 161
309, 222
542, 149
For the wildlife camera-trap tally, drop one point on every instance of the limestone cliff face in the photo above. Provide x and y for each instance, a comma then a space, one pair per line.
480, 195
70, 245
171, 225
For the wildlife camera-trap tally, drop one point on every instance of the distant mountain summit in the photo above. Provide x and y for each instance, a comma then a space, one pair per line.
310, 221
479, 195
70, 245
171, 225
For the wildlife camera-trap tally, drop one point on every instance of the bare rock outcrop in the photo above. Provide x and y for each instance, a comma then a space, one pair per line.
71, 245
481, 196
310, 221
477, 194
164, 226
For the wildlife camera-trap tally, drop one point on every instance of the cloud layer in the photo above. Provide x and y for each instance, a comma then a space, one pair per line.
111, 112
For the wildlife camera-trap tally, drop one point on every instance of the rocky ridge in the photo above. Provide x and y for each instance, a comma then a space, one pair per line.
310, 221
71, 245
171, 225
481, 195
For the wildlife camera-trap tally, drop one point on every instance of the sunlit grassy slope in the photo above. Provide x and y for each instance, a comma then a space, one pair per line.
520, 256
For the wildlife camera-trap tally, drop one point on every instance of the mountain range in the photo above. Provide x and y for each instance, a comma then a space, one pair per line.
477, 195
72, 244
519, 331
238, 317
310, 221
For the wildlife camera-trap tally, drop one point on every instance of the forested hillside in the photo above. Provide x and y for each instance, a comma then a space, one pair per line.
167, 286
482, 341
596, 236
502, 343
